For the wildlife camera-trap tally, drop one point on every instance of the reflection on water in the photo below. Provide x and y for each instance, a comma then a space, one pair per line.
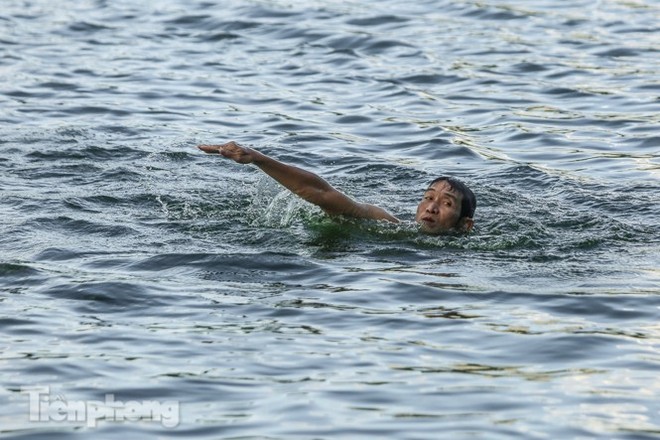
134, 265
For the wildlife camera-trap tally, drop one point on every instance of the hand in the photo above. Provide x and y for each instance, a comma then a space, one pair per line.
230, 150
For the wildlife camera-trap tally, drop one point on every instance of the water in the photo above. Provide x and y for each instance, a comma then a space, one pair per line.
133, 265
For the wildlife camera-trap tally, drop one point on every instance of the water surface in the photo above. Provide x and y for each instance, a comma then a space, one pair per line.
134, 265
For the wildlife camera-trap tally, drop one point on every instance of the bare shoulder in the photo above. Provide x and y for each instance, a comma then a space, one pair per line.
336, 203
377, 213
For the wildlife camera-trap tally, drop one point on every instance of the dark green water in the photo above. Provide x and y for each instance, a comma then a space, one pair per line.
136, 266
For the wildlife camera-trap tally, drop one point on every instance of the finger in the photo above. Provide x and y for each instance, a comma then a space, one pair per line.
211, 149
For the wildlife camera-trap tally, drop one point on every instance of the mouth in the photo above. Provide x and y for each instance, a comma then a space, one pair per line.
427, 221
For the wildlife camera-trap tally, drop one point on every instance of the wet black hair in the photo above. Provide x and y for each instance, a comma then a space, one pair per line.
469, 201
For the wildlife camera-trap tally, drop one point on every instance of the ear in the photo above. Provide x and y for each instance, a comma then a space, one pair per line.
467, 224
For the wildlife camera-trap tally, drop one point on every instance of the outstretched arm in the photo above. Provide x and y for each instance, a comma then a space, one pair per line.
303, 183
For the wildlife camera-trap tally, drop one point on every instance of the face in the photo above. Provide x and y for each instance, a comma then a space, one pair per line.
440, 210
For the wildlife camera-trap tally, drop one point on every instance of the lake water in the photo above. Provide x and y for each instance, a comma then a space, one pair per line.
133, 267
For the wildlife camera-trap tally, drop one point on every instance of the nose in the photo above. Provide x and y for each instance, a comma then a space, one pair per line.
432, 208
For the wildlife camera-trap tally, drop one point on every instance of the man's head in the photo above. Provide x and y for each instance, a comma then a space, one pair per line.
447, 205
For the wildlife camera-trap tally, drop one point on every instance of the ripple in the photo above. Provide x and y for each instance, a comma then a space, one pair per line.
104, 297
10, 271
79, 226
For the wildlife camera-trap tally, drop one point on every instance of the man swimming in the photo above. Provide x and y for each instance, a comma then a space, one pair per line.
447, 203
